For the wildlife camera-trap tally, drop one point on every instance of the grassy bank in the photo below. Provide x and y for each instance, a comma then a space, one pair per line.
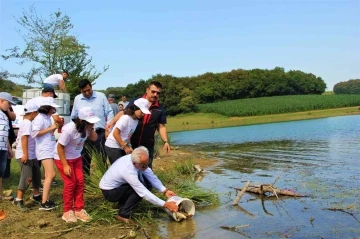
212, 120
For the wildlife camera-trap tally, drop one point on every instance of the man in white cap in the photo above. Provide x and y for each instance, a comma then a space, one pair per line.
5, 148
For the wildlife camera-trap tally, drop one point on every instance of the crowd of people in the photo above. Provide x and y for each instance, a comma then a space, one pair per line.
124, 133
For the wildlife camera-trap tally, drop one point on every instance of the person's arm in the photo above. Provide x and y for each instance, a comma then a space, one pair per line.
24, 146
62, 85
10, 152
164, 137
61, 152
92, 135
38, 133
112, 122
122, 143
57, 119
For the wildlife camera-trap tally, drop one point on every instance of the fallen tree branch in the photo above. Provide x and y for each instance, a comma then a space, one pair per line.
237, 199
268, 189
234, 228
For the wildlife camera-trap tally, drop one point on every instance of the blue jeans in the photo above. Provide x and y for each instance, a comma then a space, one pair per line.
3, 160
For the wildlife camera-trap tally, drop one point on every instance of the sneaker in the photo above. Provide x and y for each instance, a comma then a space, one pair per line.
37, 198
69, 216
47, 206
82, 215
20, 204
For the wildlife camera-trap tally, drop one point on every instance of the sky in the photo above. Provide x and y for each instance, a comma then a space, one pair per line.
139, 39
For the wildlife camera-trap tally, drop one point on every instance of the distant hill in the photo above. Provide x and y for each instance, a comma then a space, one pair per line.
11, 87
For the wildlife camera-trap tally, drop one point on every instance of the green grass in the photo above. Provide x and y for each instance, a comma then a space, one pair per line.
279, 104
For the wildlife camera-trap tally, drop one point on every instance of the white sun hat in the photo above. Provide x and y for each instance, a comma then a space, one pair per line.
30, 107
48, 101
143, 104
88, 114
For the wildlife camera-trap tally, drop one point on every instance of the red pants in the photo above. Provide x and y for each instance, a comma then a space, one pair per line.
73, 194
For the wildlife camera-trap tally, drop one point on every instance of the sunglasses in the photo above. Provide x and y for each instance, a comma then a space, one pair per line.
157, 92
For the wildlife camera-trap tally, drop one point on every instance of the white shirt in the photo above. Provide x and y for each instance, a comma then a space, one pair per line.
123, 171
71, 139
54, 79
4, 131
127, 125
44, 144
25, 129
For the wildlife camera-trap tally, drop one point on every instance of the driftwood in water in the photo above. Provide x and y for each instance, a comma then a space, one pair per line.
268, 188
237, 199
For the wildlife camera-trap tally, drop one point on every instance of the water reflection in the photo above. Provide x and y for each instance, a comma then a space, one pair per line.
181, 230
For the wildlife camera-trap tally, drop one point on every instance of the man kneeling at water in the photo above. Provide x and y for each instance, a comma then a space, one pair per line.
129, 179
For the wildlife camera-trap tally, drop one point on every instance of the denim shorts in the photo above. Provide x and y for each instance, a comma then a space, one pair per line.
3, 160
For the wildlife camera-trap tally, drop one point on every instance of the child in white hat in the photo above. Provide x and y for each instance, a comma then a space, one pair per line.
43, 132
26, 156
68, 161
5, 147
117, 143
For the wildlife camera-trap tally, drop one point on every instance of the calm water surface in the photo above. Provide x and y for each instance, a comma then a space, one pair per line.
318, 158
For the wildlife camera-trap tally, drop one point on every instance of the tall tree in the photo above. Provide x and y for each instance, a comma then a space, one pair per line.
50, 48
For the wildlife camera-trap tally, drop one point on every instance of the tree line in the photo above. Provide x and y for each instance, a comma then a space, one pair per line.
348, 87
183, 94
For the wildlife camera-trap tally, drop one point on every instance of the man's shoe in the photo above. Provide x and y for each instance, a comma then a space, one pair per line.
82, 215
125, 220
47, 206
20, 205
37, 198
69, 216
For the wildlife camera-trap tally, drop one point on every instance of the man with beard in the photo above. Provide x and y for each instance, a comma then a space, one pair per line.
144, 134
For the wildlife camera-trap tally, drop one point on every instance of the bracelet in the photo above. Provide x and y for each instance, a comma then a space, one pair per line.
165, 191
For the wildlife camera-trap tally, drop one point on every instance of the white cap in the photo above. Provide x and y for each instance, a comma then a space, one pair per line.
143, 104
88, 114
7, 96
30, 106
48, 101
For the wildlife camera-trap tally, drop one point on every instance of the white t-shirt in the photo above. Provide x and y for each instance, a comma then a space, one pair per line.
72, 141
123, 171
127, 126
4, 131
25, 129
44, 144
54, 79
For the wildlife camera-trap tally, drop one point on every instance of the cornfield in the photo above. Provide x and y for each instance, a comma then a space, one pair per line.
279, 104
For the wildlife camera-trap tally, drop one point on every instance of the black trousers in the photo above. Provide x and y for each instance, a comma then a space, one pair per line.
126, 196
114, 153
98, 146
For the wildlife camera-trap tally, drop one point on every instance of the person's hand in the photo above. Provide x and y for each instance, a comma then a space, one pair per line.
167, 147
54, 126
67, 170
171, 206
10, 153
108, 127
170, 193
128, 150
24, 159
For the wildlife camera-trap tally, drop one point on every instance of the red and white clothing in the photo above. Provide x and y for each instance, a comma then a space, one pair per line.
127, 125
73, 192
45, 143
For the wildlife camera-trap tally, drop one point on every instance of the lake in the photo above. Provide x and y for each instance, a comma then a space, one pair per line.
317, 158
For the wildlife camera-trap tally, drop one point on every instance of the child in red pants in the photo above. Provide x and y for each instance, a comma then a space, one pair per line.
68, 161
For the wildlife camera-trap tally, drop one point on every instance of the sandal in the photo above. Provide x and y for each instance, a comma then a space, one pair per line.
2, 214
